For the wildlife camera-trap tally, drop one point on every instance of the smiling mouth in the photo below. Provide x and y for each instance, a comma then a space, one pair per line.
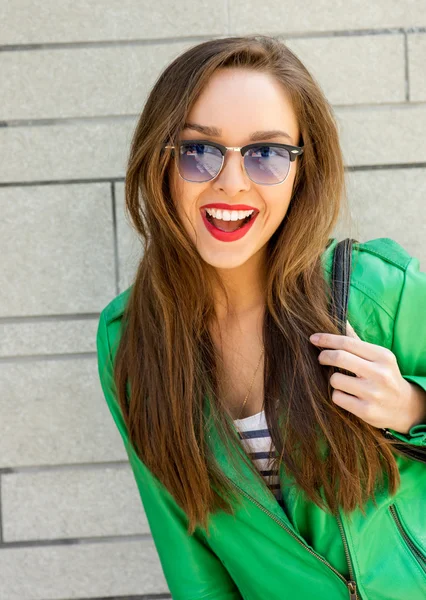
228, 226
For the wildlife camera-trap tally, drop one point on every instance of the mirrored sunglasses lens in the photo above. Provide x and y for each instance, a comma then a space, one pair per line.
199, 162
267, 164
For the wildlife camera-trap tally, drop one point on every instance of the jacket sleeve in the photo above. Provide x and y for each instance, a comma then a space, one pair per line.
409, 340
192, 570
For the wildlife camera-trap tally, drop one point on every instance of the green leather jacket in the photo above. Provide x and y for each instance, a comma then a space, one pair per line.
264, 553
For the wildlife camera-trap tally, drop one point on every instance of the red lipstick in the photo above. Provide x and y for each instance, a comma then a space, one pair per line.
228, 236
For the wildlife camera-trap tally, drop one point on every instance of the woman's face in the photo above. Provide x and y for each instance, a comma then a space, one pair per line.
237, 102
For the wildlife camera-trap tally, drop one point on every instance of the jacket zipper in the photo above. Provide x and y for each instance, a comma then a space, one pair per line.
351, 584
417, 554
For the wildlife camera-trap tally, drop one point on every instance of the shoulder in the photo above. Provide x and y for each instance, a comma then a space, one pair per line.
384, 249
110, 322
116, 307
378, 270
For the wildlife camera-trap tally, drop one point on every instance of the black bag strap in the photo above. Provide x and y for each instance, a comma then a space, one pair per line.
341, 277
340, 288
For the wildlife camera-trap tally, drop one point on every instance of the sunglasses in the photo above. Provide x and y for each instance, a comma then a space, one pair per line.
267, 164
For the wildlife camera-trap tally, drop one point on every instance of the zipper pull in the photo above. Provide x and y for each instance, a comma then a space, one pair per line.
352, 590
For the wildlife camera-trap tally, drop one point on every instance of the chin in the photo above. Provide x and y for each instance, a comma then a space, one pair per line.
224, 259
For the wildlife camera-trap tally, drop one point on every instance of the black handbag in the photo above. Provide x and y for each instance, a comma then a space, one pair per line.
340, 286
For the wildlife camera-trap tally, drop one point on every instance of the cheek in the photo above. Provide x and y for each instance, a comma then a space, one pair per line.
277, 202
281, 196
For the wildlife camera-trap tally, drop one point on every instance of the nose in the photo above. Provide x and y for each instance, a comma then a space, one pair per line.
232, 178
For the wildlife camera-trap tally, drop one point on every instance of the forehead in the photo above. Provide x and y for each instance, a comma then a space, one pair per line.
238, 102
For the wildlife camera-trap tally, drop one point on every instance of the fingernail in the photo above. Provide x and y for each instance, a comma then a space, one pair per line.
315, 337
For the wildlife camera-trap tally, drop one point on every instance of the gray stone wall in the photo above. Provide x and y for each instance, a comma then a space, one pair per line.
74, 77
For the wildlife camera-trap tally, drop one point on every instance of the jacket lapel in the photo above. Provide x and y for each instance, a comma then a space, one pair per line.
240, 473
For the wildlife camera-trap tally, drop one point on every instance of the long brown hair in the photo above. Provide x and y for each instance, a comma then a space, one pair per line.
166, 352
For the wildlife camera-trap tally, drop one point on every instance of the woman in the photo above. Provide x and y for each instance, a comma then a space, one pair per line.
265, 473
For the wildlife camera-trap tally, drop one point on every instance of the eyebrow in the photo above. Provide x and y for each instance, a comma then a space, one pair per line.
255, 136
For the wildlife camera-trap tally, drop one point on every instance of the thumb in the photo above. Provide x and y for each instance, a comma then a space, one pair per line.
350, 332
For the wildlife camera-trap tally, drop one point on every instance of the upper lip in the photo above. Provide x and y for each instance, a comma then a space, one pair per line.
229, 207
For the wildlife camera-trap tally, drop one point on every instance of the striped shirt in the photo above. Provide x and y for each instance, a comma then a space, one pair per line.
256, 440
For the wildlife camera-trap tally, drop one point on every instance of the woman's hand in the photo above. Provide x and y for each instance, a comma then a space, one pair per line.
378, 394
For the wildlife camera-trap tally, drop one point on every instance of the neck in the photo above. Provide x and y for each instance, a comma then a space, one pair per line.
245, 286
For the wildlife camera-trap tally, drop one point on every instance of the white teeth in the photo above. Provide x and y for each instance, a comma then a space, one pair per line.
228, 215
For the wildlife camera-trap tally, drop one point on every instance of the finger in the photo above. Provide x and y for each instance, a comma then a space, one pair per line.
355, 386
348, 402
353, 345
349, 362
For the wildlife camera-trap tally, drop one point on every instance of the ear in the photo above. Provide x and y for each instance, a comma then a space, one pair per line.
350, 332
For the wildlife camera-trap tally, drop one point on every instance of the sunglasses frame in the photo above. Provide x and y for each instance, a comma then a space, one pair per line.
294, 152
